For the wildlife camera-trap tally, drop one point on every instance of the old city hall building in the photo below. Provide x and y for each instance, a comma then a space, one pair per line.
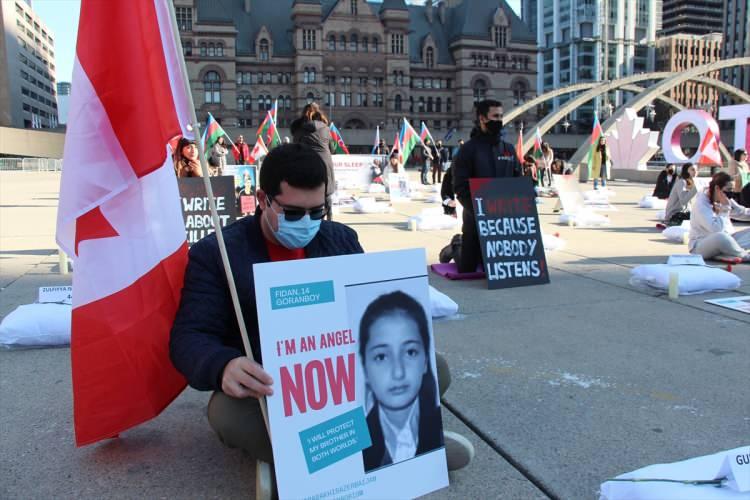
368, 64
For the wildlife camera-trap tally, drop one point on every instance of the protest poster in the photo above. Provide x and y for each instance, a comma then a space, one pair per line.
571, 198
245, 181
332, 332
195, 209
741, 303
509, 232
354, 171
398, 187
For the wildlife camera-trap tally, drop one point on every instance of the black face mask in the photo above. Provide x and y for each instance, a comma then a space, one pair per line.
494, 127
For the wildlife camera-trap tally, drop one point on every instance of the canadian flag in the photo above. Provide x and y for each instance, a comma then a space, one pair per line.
259, 150
119, 214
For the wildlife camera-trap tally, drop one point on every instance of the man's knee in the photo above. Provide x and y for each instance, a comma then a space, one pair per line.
239, 424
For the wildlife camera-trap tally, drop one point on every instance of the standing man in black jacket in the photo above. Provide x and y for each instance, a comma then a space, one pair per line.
483, 156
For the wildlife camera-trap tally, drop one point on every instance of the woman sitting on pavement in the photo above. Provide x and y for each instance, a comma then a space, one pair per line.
740, 172
665, 182
678, 205
711, 231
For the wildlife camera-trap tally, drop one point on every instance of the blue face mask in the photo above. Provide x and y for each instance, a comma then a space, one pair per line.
294, 234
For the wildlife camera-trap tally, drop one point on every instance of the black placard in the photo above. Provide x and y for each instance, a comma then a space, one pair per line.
195, 209
509, 232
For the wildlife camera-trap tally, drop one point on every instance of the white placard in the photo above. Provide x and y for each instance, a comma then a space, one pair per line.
344, 340
55, 294
741, 303
354, 171
686, 260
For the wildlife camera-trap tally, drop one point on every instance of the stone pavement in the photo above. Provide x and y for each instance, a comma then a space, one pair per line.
559, 386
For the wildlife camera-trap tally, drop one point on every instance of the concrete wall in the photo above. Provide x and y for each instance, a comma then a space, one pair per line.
31, 142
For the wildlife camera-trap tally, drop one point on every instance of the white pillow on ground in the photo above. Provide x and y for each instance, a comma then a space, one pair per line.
660, 214
552, 242
441, 305
433, 198
584, 218
37, 325
652, 202
371, 206
375, 188
692, 279
677, 233
434, 222
600, 195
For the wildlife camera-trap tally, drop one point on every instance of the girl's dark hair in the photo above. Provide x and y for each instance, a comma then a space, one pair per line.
685, 172
184, 141
312, 112
738, 153
719, 180
297, 164
400, 302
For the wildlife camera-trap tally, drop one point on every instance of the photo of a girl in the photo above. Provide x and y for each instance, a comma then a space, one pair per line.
394, 347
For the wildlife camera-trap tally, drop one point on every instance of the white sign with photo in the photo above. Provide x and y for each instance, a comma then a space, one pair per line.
354, 171
348, 341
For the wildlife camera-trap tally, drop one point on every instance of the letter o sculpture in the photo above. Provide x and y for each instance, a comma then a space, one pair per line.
705, 124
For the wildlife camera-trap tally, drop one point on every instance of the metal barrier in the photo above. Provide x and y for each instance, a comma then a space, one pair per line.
31, 164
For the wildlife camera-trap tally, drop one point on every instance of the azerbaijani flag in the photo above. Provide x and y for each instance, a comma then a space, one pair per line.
396, 146
537, 145
377, 139
424, 133
595, 135
339, 147
268, 131
119, 213
519, 146
408, 140
275, 111
211, 134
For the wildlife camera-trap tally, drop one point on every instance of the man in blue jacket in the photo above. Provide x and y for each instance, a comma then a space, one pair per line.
484, 155
205, 344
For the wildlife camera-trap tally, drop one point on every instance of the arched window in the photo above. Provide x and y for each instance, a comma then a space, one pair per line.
429, 104
448, 105
268, 102
519, 92
353, 7
421, 105
239, 77
353, 42
364, 44
260, 103
430, 57
411, 104
248, 103
280, 101
203, 50
397, 103
375, 44
220, 50
288, 102
306, 75
480, 90
263, 49
331, 42
438, 105
211, 50
240, 103
187, 48
310, 97
500, 36
312, 75
342, 42
212, 87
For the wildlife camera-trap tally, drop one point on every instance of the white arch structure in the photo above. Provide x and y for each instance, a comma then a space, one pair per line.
659, 88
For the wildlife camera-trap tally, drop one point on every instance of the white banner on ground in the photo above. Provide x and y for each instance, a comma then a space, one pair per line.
354, 171
348, 341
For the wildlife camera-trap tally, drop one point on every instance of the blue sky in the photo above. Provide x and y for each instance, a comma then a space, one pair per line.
61, 16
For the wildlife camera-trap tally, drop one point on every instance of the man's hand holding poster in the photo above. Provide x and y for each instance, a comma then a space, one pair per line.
355, 411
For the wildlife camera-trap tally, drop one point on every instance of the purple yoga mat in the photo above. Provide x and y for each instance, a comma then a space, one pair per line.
450, 271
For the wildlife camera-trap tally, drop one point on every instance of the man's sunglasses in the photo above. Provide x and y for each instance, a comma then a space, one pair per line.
293, 214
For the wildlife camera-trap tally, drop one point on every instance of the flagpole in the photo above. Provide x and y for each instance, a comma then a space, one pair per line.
214, 212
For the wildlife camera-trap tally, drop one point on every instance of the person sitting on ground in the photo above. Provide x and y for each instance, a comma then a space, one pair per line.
711, 231
447, 194
186, 162
205, 342
740, 172
683, 191
665, 182
530, 168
